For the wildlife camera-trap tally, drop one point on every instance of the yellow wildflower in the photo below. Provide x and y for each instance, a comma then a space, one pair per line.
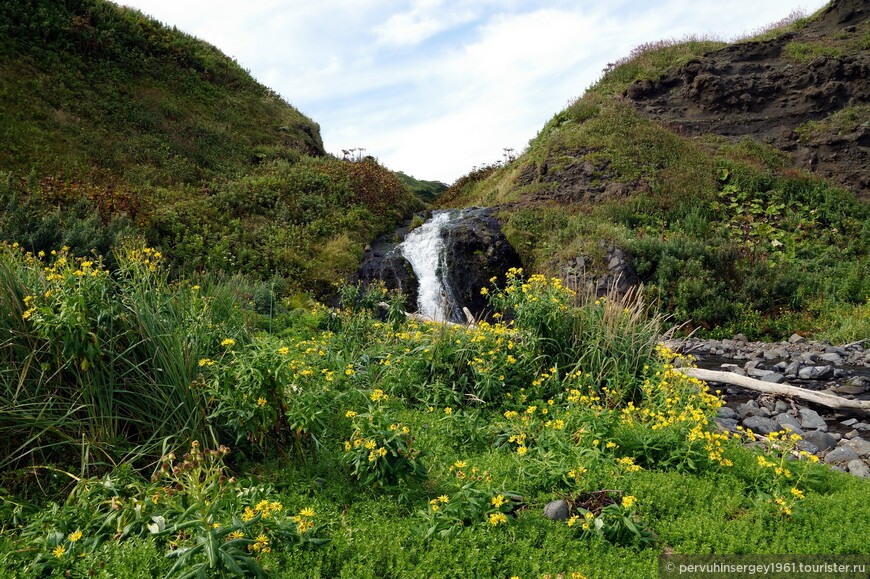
75, 536
58, 551
228, 342
628, 501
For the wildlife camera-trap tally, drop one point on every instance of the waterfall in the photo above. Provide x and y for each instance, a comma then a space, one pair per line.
424, 249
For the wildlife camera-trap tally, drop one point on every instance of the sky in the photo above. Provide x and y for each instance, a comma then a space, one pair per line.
435, 87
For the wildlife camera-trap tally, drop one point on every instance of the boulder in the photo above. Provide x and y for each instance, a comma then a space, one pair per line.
810, 420
475, 251
858, 468
761, 425
841, 455
821, 440
790, 422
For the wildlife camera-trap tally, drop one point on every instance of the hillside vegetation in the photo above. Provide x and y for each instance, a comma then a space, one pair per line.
116, 125
715, 198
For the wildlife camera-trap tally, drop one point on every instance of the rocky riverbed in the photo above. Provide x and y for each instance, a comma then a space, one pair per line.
840, 438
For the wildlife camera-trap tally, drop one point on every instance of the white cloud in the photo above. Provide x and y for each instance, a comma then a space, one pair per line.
425, 19
433, 87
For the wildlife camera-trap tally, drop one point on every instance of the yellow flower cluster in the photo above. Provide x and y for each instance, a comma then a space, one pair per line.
627, 463
378, 396
260, 545
304, 520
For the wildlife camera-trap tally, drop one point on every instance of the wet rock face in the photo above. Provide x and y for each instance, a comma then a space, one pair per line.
476, 250
382, 261
759, 89
394, 270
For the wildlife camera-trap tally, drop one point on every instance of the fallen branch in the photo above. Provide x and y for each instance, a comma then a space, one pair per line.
821, 398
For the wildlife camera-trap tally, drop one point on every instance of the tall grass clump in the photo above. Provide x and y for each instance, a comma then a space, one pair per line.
99, 364
612, 339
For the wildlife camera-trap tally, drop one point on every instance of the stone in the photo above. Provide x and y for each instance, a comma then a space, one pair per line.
792, 369
781, 406
773, 378
726, 424
808, 447
556, 510
861, 426
726, 412
858, 468
851, 434
751, 365
832, 358
750, 408
810, 420
767, 403
849, 422
849, 390
821, 440
825, 372
796, 339
790, 422
761, 425
734, 368
740, 338
861, 446
841, 455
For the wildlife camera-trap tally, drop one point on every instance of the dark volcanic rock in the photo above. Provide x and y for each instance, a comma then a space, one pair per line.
759, 89
475, 251
383, 261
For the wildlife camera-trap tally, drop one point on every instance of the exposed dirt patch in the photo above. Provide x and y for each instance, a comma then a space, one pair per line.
774, 91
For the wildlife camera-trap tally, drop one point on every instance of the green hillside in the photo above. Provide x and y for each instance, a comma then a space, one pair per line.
724, 223
114, 124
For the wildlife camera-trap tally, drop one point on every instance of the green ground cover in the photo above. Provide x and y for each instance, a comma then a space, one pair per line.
189, 434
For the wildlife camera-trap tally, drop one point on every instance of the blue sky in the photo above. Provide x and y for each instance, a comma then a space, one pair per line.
434, 87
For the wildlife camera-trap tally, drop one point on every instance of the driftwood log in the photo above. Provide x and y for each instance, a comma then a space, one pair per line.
470, 322
821, 398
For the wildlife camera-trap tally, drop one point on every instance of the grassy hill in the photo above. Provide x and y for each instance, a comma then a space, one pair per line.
114, 124
720, 169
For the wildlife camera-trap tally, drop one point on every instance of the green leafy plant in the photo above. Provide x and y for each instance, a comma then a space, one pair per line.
472, 501
381, 451
598, 516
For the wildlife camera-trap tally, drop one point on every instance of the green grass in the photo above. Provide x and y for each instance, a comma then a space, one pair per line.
572, 397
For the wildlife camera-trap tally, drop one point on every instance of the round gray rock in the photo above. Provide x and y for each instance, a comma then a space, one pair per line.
821, 440
761, 425
859, 468
556, 510
841, 455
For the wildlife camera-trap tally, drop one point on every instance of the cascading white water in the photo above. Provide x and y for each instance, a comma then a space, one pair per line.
424, 250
